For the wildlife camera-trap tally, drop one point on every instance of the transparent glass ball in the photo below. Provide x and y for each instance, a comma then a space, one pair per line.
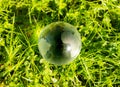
59, 43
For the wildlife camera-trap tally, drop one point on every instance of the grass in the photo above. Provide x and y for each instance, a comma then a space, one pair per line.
98, 64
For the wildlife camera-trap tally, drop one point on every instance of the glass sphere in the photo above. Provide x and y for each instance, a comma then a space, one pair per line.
59, 43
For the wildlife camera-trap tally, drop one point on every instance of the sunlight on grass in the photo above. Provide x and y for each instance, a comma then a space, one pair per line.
98, 64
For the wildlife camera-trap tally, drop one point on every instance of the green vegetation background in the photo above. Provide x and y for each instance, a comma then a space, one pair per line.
98, 22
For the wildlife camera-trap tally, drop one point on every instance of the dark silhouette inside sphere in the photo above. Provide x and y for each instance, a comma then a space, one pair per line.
59, 43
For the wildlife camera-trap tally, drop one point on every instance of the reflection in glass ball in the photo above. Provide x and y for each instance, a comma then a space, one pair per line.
59, 43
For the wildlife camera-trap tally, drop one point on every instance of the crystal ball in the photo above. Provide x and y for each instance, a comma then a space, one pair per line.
59, 43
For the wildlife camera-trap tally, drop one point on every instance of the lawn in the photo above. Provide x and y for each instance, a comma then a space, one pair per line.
97, 65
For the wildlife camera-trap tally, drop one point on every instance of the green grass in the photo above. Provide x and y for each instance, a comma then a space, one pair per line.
98, 64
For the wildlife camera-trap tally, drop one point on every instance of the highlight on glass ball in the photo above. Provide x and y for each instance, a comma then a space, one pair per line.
59, 43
